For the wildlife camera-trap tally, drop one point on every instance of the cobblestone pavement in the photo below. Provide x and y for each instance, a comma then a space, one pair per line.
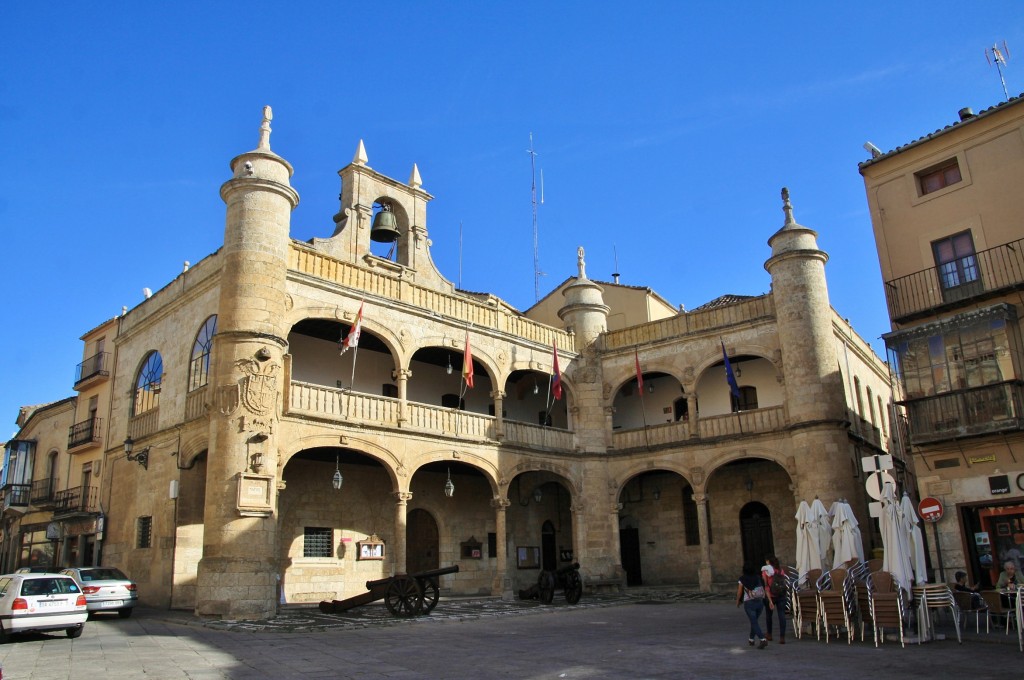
601, 638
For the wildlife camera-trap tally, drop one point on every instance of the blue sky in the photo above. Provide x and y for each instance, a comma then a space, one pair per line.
665, 131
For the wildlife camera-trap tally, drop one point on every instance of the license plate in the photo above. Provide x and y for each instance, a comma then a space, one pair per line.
111, 603
49, 603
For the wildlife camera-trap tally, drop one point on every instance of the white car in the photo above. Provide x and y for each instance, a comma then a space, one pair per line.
41, 602
106, 589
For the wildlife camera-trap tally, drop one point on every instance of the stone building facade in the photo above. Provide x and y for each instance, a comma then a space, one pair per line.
945, 210
279, 468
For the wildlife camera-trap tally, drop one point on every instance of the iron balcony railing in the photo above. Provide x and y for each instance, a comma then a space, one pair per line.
995, 271
964, 413
16, 495
43, 491
86, 432
76, 499
96, 365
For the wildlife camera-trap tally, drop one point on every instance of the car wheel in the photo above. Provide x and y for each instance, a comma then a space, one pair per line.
76, 631
124, 613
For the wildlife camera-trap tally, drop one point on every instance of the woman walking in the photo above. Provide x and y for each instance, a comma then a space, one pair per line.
777, 593
751, 594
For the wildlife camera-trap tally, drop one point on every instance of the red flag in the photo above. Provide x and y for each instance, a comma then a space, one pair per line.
556, 379
352, 339
639, 375
467, 364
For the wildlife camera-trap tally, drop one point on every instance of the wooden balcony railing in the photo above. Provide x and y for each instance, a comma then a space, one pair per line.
999, 270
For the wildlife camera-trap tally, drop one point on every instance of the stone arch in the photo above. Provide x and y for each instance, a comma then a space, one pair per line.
396, 471
561, 471
192, 446
714, 357
728, 457
479, 463
387, 335
626, 474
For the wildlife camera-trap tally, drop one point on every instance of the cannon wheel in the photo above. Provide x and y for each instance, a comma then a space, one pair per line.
431, 594
546, 587
573, 587
404, 597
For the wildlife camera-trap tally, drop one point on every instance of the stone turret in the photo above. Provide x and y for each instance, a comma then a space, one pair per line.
584, 312
237, 573
814, 389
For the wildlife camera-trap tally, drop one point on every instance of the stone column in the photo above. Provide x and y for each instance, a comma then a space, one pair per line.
499, 421
501, 585
402, 499
704, 573
616, 549
691, 412
401, 376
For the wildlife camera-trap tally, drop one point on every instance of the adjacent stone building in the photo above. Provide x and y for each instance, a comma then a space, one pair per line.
303, 417
946, 211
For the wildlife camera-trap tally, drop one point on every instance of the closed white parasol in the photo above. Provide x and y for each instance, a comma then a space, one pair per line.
808, 555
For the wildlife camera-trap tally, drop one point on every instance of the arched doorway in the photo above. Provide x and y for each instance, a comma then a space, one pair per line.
421, 540
756, 533
548, 549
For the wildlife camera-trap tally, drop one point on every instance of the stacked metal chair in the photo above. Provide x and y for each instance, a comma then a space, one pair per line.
887, 607
838, 603
805, 601
931, 598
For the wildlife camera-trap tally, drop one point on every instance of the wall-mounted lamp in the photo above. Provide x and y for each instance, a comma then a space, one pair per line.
337, 480
142, 457
736, 370
537, 495
449, 488
448, 369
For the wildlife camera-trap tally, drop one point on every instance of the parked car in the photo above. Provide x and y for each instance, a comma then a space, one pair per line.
41, 602
37, 570
106, 589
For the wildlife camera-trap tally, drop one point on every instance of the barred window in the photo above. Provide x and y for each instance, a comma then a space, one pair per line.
317, 542
144, 533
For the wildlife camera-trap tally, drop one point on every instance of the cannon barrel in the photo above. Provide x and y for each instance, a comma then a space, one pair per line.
562, 571
370, 585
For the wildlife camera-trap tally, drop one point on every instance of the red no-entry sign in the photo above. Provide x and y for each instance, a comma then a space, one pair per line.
930, 509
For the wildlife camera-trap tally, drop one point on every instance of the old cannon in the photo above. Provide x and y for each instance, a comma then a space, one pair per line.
566, 578
404, 594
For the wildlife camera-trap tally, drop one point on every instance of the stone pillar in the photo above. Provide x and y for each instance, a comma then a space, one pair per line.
615, 547
401, 376
704, 573
501, 585
691, 410
499, 420
402, 499
237, 575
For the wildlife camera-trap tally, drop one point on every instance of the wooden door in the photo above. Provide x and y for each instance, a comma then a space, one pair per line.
629, 553
421, 542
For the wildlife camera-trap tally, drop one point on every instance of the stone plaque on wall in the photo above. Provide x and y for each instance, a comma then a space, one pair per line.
940, 488
254, 494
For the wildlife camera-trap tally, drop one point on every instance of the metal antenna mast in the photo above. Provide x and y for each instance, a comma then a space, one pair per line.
460, 254
533, 198
999, 57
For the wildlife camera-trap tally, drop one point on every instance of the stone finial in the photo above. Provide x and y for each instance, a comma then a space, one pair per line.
360, 158
268, 115
787, 207
415, 181
581, 263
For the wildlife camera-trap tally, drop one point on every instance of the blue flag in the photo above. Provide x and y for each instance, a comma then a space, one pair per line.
729, 375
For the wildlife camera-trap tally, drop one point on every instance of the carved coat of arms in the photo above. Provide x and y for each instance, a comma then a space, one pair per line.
259, 387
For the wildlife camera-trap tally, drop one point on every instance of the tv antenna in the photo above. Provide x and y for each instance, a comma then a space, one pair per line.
533, 200
995, 55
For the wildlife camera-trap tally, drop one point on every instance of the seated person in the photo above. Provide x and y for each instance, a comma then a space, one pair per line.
1008, 579
977, 601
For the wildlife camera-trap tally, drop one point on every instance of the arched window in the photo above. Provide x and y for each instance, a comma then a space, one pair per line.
147, 384
199, 367
860, 399
51, 474
871, 406
881, 418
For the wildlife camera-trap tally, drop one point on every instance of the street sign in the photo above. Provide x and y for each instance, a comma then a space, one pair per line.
875, 484
930, 509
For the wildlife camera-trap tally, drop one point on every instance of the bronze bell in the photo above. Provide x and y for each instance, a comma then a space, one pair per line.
385, 228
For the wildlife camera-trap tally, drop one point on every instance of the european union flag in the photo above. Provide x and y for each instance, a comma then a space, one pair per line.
729, 375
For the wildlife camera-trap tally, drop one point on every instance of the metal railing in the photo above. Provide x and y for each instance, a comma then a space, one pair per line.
1000, 269
43, 491
16, 495
97, 364
85, 432
76, 499
994, 408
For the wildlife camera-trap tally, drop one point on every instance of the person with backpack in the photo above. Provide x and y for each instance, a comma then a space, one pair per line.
774, 579
750, 593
